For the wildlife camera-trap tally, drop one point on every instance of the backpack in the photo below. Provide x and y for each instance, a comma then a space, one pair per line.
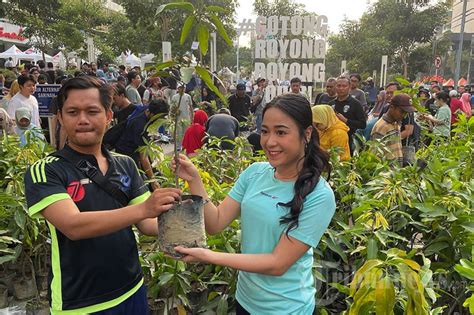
113, 135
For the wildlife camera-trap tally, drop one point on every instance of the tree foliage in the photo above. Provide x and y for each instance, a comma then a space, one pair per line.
167, 25
396, 29
64, 24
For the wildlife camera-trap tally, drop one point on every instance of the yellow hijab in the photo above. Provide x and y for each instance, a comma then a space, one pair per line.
325, 115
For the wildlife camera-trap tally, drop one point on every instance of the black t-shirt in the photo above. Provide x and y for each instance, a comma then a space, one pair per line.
353, 111
239, 106
96, 270
324, 99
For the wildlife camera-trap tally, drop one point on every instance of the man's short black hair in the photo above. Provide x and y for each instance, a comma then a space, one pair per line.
159, 106
131, 75
22, 79
122, 67
41, 64
392, 84
119, 89
295, 80
84, 83
356, 75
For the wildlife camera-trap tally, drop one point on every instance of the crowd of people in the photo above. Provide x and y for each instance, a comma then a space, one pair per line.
91, 192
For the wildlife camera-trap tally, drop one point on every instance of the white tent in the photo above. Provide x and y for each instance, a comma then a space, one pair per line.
35, 55
133, 61
59, 60
13, 52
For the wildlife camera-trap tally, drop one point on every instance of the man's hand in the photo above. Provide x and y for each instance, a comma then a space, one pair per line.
161, 200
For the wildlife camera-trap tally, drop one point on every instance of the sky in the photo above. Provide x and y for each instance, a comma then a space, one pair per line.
335, 10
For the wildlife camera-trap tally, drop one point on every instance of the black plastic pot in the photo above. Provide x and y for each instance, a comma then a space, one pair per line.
182, 225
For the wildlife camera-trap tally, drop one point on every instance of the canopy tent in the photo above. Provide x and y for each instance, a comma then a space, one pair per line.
34, 55
450, 82
132, 61
462, 82
59, 60
12, 52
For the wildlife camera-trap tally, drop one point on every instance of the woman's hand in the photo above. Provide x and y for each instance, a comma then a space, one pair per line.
194, 254
187, 170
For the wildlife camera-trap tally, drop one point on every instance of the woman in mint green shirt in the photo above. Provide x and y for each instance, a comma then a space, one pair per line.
285, 206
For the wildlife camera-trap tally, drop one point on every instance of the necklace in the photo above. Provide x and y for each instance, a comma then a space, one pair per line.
285, 177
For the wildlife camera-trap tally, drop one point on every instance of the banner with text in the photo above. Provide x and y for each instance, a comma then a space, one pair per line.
288, 47
44, 94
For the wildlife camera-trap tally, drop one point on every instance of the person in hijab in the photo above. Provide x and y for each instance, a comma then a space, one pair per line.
332, 131
6, 123
194, 135
25, 129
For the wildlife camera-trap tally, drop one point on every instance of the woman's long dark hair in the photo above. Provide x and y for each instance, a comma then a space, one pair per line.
316, 160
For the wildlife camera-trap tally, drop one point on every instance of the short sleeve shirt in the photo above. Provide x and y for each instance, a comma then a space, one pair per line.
133, 95
87, 275
259, 193
444, 115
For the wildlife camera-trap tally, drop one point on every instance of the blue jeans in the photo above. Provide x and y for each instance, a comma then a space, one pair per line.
136, 304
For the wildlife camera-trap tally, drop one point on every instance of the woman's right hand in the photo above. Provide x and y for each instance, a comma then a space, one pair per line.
187, 170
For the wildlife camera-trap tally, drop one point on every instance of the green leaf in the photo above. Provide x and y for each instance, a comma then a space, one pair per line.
20, 219
469, 302
468, 226
187, 6
203, 38
337, 249
435, 248
164, 279
206, 77
384, 296
220, 29
372, 249
165, 65
186, 28
413, 264
6, 258
216, 9
341, 288
362, 273
222, 306
465, 272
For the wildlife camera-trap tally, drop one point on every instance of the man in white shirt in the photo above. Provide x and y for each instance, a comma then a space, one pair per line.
9, 63
25, 98
134, 81
184, 110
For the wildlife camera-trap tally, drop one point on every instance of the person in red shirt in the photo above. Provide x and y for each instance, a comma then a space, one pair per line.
455, 104
195, 133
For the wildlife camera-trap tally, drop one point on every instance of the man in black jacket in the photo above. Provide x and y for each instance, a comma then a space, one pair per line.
239, 104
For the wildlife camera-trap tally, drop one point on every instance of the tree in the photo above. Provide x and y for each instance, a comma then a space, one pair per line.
151, 29
36, 17
60, 23
278, 8
387, 28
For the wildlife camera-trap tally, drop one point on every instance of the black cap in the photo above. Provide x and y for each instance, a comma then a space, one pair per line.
240, 86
